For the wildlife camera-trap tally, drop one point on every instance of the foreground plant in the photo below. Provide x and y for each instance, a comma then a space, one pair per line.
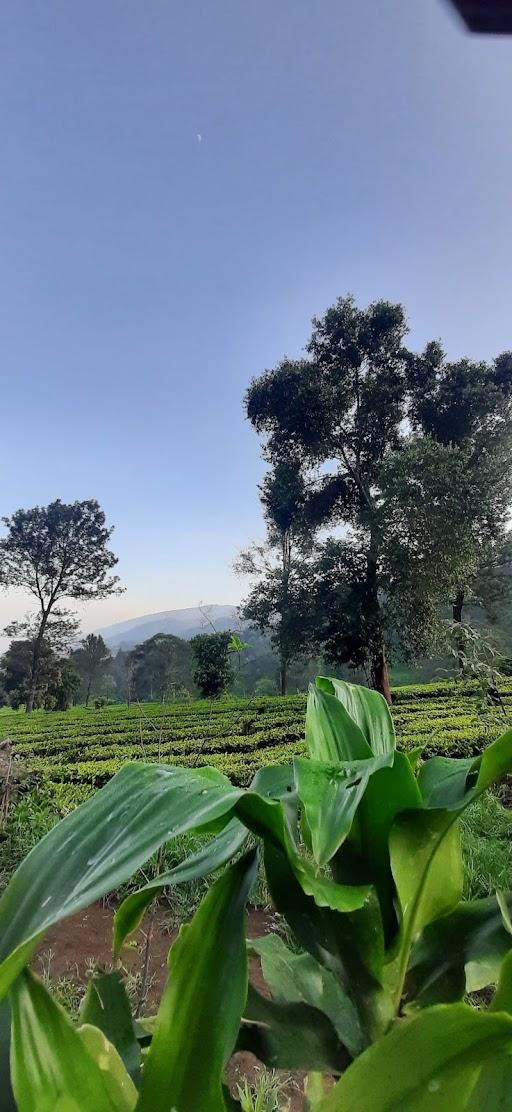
362, 856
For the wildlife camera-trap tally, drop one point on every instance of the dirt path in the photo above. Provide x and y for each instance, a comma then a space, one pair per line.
72, 948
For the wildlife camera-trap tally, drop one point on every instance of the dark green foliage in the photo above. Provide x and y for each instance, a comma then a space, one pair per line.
213, 671
161, 668
58, 680
92, 660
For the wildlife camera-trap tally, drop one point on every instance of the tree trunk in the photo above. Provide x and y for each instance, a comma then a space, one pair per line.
378, 662
88, 695
380, 673
283, 676
457, 605
36, 657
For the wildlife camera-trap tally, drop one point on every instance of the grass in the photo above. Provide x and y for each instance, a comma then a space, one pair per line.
487, 847
266, 1093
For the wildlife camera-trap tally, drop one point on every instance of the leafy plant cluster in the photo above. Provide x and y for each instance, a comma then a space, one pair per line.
361, 850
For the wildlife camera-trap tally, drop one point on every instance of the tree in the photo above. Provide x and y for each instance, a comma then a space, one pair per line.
58, 680
161, 664
338, 413
466, 407
67, 684
16, 668
278, 602
359, 408
212, 670
54, 552
92, 660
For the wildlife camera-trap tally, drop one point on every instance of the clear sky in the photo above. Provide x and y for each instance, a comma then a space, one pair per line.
182, 186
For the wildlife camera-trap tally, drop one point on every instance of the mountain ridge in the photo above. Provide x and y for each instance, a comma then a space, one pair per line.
185, 622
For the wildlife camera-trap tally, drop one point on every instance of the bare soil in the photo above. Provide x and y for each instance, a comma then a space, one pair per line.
77, 945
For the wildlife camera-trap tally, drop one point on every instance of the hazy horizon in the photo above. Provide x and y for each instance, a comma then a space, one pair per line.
182, 190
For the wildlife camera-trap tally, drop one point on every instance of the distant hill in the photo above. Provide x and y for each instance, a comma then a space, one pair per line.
182, 623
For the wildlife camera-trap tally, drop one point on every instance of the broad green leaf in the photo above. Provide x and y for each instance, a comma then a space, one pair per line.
331, 734
429, 1063
368, 709
55, 1068
331, 794
418, 841
298, 978
201, 1009
425, 848
99, 846
347, 945
106, 1006
459, 953
119, 1085
267, 819
8, 1102
443, 781
206, 860
290, 1036
447, 782
273, 782
494, 1085
495, 762
390, 792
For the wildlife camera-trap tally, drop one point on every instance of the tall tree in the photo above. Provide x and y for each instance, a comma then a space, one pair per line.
212, 665
361, 414
161, 664
92, 659
278, 601
55, 552
466, 407
339, 412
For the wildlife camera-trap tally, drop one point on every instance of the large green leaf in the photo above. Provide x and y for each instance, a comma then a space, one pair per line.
57, 1068
290, 1036
453, 784
429, 1063
99, 846
349, 945
268, 820
494, 1085
443, 781
331, 734
298, 978
425, 848
106, 1006
273, 782
459, 953
206, 860
331, 794
390, 791
201, 1009
418, 840
368, 709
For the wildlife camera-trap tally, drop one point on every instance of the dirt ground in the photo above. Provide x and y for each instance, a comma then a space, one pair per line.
84, 941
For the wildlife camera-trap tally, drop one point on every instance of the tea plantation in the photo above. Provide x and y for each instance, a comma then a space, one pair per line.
78, 750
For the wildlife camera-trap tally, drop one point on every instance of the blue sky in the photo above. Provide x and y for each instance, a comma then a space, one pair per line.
146, 273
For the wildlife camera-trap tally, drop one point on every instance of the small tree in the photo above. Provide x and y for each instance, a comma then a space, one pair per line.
92, 659
279, 601
54, 552
213, 671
